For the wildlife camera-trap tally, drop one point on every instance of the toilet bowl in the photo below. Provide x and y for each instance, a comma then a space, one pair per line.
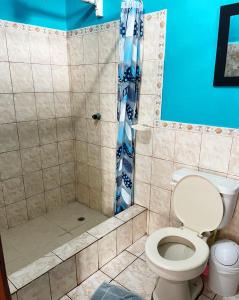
179, 255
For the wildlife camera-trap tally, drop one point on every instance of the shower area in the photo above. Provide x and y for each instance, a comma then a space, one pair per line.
57, 163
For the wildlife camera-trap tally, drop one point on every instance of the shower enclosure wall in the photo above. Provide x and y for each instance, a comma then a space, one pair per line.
51, 151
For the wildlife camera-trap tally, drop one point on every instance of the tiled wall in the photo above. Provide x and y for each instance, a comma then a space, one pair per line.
61, 270
93, 68
36, 129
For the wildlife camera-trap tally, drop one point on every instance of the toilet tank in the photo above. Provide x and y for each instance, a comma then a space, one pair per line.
228, 188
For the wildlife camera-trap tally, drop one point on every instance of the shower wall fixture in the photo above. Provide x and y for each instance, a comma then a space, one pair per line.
98, 6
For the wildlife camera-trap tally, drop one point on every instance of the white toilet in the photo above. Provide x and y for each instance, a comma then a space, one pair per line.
202, 202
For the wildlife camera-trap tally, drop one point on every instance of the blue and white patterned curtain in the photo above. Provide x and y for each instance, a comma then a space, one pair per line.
131, 33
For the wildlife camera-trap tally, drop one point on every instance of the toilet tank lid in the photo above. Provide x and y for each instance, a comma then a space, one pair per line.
225, 185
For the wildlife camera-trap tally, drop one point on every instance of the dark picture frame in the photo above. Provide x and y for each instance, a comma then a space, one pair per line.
220, 79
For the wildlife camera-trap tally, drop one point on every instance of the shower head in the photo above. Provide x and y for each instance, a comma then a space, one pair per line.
98, 6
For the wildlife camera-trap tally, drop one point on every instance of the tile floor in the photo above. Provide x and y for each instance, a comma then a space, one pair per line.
129, 270
27, 242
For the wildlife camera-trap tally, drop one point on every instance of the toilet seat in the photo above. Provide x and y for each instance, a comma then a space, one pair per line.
200, 256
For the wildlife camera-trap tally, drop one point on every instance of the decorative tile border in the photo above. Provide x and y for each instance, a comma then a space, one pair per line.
70, 253
31, 28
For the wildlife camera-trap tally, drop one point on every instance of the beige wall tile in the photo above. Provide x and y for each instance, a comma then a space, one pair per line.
160, 201
108, 134
42, 78
9, 137
162, 171
108, 107
36, 206
5, 79
31, 159
53, 199
83, 194
33, 183
95, 178
107, 78
82, 151
62, 105
80, 126
91, 51
93, 131
75, 46
10, 165
47, 131
63, 278
58, 50
96, 200
37, 290
108, 159
51, 178
107, 204
143, 168
68, 193
49, 155
92, 104
78, 104
156, 222
25, 107
64, 129
21, 74
87, 262
108, 182
39, 48
28, 134
67, 173
142, 193
187, 147
124, 236
91, 78
45, 105
18, 45
83, 173
139, 226
163, 143
149, 77
94, 155
1, 196
3, 219
7, 111
107, 46
66, 151
60, 76
234, 161
16, 213
3, 45
13, 190
107, 248
144, 144
215, 152
77, 78
146, 109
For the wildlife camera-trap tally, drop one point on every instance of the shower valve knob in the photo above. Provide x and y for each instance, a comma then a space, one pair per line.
96, 116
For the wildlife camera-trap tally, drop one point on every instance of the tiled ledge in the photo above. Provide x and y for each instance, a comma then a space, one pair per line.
61, 270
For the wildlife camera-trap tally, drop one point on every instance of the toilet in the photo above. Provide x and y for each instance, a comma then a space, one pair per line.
202, 202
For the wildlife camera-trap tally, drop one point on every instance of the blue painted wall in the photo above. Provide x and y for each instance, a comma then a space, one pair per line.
47, 13
192, 29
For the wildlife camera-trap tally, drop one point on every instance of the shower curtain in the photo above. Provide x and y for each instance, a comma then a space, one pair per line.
129, 73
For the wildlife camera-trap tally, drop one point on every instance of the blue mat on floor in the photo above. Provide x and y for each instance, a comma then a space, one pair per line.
109, 291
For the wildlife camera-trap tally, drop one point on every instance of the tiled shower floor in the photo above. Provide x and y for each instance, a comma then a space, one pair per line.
128, 270
27, 242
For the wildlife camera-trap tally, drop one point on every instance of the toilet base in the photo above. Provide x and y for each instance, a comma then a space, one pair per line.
171, 290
